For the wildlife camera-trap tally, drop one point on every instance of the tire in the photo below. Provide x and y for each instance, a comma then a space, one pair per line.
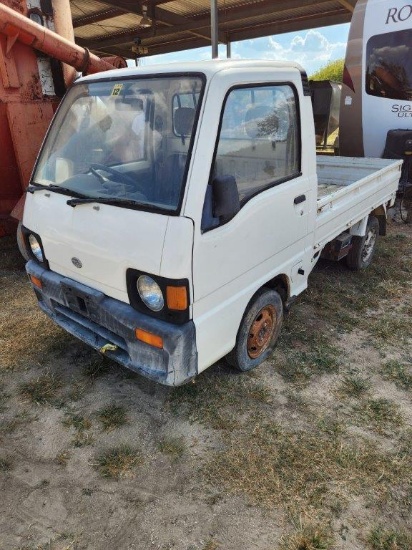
258, 331
405, 206
363, 248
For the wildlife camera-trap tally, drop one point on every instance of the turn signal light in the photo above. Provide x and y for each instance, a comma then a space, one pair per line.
36, 281
176, 298
149, 338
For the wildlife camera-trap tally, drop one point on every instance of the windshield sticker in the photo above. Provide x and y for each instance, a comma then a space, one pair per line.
117, 88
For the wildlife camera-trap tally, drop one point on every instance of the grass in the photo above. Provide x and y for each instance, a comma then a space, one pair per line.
308, 536
331, 426
380, 414
389, 328
353, 385
97, 367
62, 458
321, 466
76, 421
3, 399
5, 464
383, 538
27, 336
278, 467
18, 421
342, 299
112, 417
212, 399
42, 390
306, 435
118, 462
399, 373
82, 439
81, 425
175, 447
299, 367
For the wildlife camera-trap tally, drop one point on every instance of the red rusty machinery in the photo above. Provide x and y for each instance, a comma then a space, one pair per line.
36, 65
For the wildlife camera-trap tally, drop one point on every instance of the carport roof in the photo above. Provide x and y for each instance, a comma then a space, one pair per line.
111, 27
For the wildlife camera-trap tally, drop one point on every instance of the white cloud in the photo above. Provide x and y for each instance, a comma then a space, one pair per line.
313, 41
312, 49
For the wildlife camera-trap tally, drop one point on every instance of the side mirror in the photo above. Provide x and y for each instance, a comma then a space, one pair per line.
226, 203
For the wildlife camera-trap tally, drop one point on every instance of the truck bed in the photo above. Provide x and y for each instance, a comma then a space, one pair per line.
349, 189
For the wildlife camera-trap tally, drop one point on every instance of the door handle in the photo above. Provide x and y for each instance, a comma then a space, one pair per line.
299, 199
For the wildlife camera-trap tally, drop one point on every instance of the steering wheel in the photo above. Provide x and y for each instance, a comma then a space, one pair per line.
116, 176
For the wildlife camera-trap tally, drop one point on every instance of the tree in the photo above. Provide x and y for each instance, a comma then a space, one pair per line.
332, 71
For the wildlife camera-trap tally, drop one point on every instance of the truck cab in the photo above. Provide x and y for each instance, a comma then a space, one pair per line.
167, 207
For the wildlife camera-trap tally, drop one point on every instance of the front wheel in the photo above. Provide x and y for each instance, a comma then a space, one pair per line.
363, 248
258, 331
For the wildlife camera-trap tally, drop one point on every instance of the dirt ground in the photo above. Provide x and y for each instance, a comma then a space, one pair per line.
310, 451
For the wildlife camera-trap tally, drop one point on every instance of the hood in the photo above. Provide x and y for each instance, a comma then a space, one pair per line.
104, 240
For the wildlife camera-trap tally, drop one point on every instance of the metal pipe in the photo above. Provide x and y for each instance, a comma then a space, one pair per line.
63, 26
214, 28
18, 27
228, 49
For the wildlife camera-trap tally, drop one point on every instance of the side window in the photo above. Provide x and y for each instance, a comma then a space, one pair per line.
389, 65
258, 144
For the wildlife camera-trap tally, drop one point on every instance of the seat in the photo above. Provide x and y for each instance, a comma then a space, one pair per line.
183, 119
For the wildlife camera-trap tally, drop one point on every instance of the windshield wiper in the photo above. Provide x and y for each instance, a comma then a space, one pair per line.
33, 187
105, 200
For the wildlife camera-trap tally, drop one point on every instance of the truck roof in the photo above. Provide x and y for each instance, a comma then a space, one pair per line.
209, 68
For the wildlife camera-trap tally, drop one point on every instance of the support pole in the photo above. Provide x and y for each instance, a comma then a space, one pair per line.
214, 28
64, 27
228, 49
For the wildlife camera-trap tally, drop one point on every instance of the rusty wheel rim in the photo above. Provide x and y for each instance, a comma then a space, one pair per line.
261, 331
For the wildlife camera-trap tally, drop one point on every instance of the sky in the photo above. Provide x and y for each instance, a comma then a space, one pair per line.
313, 49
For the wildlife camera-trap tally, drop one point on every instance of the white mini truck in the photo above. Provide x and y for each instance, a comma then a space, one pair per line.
175, 212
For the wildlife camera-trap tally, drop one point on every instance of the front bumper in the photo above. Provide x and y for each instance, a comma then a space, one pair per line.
98, 320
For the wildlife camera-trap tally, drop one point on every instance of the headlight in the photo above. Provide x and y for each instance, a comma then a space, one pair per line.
150, 293
36, 248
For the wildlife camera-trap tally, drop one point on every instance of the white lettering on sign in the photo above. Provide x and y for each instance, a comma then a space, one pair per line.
399, 15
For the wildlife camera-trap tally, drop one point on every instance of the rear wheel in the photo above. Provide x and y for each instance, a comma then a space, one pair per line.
258, 332
363, 248
405, 205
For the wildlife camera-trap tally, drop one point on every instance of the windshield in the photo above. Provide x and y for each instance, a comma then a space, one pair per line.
126, 140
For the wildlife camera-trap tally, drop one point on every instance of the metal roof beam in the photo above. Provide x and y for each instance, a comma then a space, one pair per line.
159, 15
243, 12
348, 5
110, 40
174, 32
175, 46
96, 17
